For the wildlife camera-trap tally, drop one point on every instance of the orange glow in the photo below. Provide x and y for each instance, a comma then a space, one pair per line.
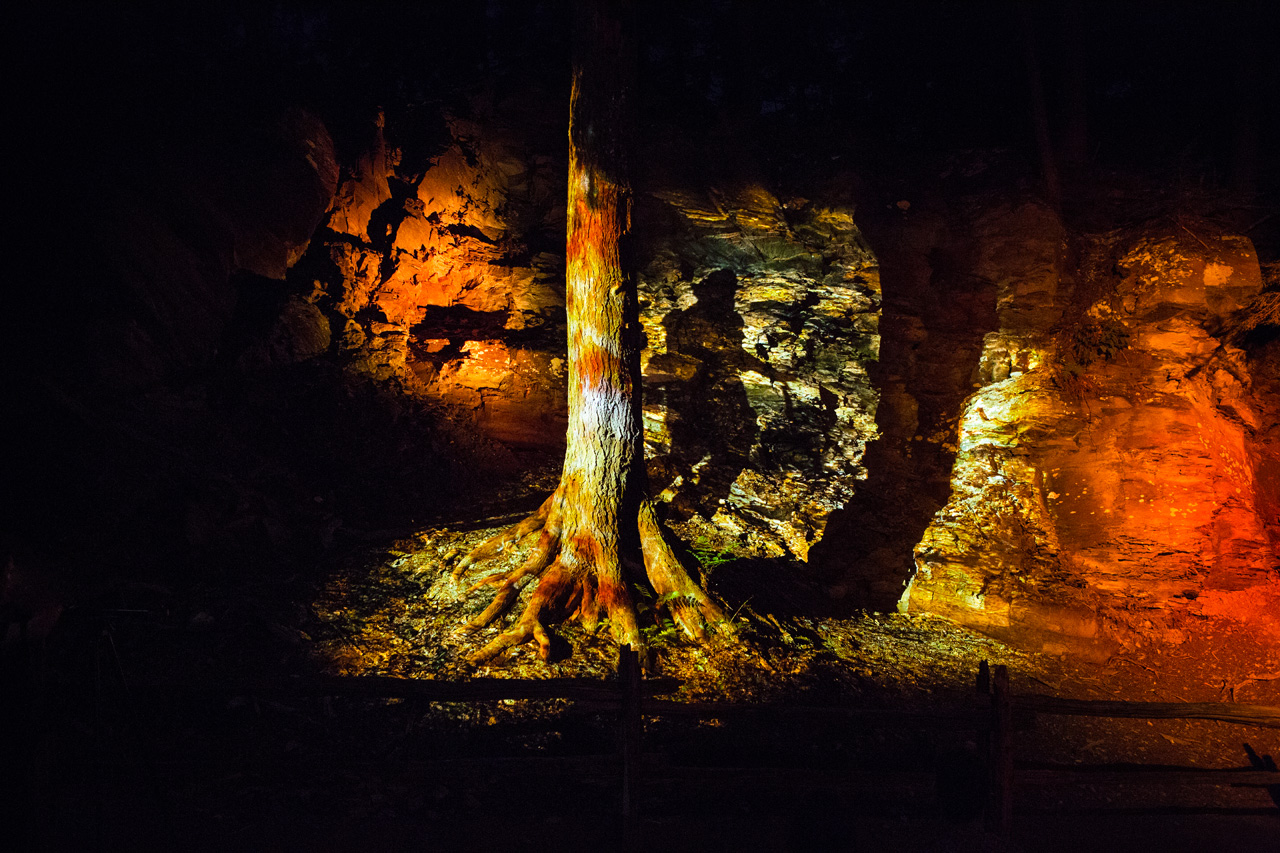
1131, 496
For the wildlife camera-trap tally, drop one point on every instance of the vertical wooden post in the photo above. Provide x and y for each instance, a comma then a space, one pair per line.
999, 816
983, 739
631, 728
984, 679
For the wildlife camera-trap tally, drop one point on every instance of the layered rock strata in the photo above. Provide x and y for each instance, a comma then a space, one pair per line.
1110, 476
760, 323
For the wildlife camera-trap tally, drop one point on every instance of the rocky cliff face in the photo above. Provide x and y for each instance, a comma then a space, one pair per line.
1114, 469
431, 276
1058, 438
761, 322
1072, 442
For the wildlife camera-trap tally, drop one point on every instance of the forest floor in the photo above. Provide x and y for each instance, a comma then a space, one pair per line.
246, 772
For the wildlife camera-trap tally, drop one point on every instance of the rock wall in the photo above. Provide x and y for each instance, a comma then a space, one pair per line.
1112, 469
937, 303
1075, 446
761, 321
152, 286
430, 277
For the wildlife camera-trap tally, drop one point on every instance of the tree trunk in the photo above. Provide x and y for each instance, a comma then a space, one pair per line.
604, 402
600, 506
1075, 84
1039, 107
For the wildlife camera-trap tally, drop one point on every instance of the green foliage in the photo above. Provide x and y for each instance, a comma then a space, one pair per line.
1091, 341
709, 556
663, 632
658, 628
661, 629
1094, 340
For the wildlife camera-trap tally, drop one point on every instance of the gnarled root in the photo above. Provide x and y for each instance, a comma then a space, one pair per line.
565, 596
578, 578
690, 607
495, 545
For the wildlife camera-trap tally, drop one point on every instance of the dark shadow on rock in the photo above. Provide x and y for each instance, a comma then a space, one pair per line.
935, 314
712, 425
790, 593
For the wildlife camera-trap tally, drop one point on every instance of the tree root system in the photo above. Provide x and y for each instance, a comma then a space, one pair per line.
578, 577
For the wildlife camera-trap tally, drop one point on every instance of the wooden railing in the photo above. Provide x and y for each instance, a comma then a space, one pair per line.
993, 719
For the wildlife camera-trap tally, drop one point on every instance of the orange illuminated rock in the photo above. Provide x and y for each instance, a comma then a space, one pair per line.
427, 292
759, 324
1114, 468
364, 190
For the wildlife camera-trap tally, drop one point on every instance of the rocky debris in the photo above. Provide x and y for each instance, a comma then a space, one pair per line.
300, 332
280, 192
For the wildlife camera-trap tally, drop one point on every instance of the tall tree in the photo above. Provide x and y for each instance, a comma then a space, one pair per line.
1076, 87
601, 508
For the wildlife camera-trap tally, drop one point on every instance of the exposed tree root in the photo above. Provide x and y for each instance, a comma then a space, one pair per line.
690, 607
579, 575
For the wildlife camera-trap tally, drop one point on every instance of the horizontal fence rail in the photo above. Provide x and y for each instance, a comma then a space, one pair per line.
1246, 715
387, 687
609, 694
994, 718
1146, 775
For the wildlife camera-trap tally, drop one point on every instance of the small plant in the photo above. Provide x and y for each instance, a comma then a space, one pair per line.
1091, 341
709, 556
1101, 339
662, 629
663, 632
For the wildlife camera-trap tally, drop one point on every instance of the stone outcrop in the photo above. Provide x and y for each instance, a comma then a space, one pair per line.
937, 303
1110, 473
1073, 443
760, 323
428, 280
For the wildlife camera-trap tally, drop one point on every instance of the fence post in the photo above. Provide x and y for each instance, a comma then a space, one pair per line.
999, 817
631, 727
983, 685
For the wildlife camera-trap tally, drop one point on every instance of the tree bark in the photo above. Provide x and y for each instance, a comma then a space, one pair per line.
604, 424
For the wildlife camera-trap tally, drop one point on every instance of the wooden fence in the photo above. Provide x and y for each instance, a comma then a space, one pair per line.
992, 719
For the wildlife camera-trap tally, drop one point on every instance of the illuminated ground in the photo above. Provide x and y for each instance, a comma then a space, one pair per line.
396, 611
